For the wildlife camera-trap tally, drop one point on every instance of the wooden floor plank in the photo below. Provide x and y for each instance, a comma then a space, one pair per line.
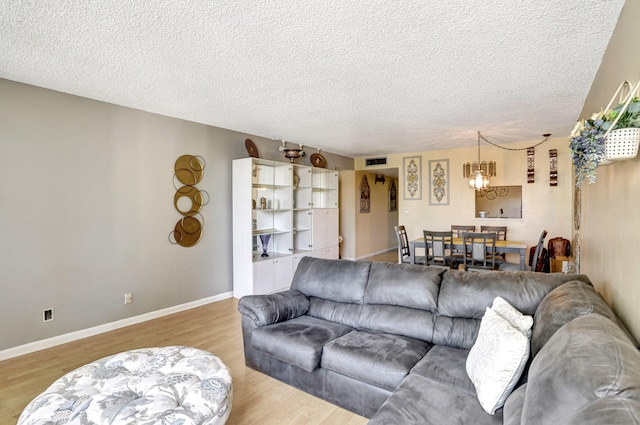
257, 398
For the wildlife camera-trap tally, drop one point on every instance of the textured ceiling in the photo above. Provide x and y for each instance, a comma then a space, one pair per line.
353, 77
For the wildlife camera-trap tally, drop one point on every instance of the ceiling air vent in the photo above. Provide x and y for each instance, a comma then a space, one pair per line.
375, 161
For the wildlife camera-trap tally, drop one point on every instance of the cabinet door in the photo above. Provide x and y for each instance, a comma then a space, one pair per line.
272, 275
331, 253
262, 277
262, 174
325, 228
302, 231
283, 274
325, 189
302, 187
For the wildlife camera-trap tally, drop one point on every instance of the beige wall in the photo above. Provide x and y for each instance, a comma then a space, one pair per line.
544, 207
371, 233
374, 230
610, 207
609, 225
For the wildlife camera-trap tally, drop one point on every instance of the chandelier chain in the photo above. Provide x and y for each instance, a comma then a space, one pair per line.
480, 136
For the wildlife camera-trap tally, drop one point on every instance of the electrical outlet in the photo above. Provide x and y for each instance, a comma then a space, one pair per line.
128, 298
47, 315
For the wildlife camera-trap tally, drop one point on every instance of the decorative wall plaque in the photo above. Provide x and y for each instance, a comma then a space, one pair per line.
530, 165
553, 167
393, 196
365, 195
439, 182
412, 171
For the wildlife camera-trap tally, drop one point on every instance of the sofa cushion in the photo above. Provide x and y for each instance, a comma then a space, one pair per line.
343, 313
424, 401
467, 294
322, 278
563, 304
610, 411
409, 322
297, 341
448, 365
587, 359
455, 331
404, 285
375, 358
496, 360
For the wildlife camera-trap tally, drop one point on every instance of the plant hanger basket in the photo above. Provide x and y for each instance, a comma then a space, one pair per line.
622, 143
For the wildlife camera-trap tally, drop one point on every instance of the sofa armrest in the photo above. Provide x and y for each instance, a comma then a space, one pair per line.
267, 309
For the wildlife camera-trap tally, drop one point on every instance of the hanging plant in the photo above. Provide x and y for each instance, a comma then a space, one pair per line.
608, 136
587, 148
627, 118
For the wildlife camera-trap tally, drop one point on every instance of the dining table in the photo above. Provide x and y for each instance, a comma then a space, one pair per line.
509, 247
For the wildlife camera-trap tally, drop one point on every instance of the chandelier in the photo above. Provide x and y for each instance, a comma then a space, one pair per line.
478, 172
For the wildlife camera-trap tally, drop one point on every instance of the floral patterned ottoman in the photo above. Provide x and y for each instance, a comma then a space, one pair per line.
164, 385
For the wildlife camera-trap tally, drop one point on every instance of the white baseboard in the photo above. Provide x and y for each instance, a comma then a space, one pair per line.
73, 336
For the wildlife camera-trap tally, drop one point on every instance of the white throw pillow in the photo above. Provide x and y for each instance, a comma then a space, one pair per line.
514, 317
496, 360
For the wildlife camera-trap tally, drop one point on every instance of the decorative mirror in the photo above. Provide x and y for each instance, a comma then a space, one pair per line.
188, 200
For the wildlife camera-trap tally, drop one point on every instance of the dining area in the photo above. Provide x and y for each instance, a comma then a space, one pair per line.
468, 247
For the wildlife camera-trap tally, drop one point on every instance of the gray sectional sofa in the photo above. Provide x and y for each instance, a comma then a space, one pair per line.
390, 342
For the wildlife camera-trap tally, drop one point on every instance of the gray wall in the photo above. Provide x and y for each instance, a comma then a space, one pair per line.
86, 202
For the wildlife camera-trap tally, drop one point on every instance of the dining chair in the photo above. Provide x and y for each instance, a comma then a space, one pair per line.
501, 231
457, 230
538, 263
537, 257
404, 256
479, 251
436, 252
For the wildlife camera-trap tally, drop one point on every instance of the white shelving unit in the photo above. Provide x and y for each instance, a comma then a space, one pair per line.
291, 209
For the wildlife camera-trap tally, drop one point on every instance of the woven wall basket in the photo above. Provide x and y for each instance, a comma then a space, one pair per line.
622, 144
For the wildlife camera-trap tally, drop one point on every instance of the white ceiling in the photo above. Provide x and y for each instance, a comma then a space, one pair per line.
352, 77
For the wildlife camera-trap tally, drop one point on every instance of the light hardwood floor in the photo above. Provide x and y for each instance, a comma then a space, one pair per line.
257, 398
385, 257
